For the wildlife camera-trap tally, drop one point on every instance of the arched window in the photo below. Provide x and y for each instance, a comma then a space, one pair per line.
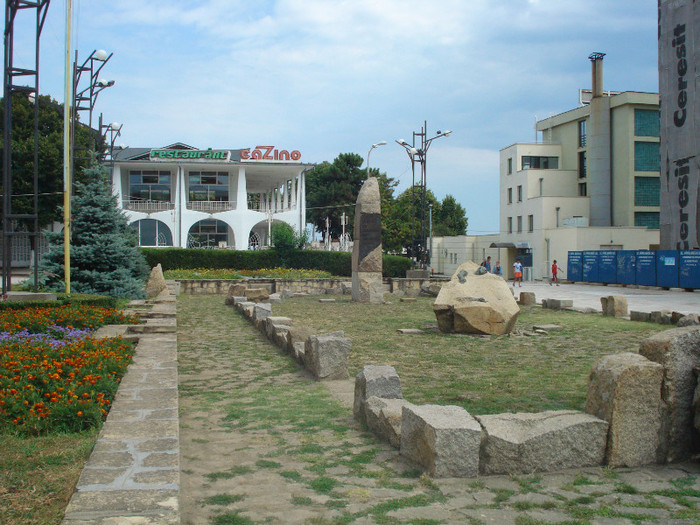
209, 233
153, 233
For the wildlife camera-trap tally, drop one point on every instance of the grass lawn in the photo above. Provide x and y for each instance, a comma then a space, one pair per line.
38, 476
483, 374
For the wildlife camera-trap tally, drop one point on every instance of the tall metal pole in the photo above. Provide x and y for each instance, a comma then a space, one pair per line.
67, 112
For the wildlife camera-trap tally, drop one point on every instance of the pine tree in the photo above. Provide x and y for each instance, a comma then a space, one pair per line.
104, 254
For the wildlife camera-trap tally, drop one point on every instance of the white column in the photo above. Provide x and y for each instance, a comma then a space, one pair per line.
285, 204
241, 191
302, 201
295, 190
182, 204
278, 201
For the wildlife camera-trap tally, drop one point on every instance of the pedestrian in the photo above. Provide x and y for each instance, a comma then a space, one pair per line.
497, 269
487, 264
517, 273
555, 269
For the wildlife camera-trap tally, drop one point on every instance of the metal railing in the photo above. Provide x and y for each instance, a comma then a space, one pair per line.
211, 206
147, 206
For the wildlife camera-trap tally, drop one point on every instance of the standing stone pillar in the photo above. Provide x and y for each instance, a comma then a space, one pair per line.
367, 284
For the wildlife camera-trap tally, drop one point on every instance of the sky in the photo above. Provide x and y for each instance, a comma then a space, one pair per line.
335, 76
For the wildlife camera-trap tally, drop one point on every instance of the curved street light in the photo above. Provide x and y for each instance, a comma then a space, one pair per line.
380, 143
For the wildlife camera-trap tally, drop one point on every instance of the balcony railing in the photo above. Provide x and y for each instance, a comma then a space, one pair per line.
211, 206
148, 206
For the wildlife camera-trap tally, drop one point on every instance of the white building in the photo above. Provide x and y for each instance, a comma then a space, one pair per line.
182, 196
591, 184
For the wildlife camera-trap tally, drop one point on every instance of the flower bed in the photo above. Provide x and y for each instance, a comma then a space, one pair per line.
55, 377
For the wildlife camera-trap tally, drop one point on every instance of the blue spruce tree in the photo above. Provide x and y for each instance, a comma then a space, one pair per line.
104, 254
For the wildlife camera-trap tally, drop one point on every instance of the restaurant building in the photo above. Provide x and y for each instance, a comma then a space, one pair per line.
192, 198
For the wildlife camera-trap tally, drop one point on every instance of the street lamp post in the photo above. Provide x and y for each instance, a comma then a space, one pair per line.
380, 143
417, 152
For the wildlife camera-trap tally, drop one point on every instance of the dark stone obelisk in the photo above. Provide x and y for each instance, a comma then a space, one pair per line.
367, 284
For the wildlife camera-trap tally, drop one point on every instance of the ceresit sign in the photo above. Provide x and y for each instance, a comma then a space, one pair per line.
190, 154
269, 153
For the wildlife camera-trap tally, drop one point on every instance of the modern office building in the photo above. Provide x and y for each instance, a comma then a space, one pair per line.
591, 183
182, 196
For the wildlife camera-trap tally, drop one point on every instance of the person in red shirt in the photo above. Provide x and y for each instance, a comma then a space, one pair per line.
555, 269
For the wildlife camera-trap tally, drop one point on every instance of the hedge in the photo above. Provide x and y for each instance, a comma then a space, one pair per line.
336, 263
62, 298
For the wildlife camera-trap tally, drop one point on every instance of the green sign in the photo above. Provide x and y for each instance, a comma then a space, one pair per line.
191, 154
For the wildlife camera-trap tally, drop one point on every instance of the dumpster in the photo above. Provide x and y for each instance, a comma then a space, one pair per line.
667, 263
607, 266
626, 267
574, 269
646, 268
689, 271
590, 266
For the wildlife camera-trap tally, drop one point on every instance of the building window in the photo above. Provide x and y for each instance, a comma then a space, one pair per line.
650, 219
149, 185
152, 233
540, 163
207, 234
581, 133
582, 189
646, 156
520, 194
531, 223
510, 224
646, 191
510, 165
510, 195
581, 164
208, 186
646, 122
520, 224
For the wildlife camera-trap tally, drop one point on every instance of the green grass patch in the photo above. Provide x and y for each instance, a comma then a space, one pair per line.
232, 518
324, 485
223, 499
228, 474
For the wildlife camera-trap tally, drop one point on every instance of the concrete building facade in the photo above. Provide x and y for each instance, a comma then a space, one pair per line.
190, 198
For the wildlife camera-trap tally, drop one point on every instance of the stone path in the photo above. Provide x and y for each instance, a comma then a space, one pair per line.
262, 443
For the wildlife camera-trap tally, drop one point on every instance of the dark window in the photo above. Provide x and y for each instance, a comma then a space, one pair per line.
646, 156
581, 133
650, 219
520, 223
208, 186
149, 185
646, 191
510, 224
152, 233
582, 189
510, 195
582, 165
207, 234
646, 123
520, 194
540, 163
510, 165
531, 223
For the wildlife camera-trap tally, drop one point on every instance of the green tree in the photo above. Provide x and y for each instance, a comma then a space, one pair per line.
450, 219
332, 188
286, 240
50, 155
104, 255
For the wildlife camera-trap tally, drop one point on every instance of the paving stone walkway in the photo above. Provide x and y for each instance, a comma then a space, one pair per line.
262, 443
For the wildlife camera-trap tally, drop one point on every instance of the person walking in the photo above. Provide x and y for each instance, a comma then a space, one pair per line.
517, 273
555, 269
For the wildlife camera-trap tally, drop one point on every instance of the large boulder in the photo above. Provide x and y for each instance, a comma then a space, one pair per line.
445, 440
257, 295
156, 282
678, 351
476, 303
625, 390
545, 441
375, 380
326, 355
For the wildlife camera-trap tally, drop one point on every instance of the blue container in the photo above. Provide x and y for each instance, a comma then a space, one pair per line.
607, 266
646, 268
689, 272
590, 266
626, 267
574, 269
667, 264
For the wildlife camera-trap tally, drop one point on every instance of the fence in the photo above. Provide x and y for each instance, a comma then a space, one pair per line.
664, 268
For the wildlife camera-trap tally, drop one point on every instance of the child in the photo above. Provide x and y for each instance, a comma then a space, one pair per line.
517, 273
555, 269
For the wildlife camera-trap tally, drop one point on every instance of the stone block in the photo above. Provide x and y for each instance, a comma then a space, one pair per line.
156, 282
326, 355
246, 308
408, 299
614, 306
257, 295
689, 320
678, 351
445, 440
660, 317
297, 335
527, 299
261, 311
238, 299
271, 322
625, 390
559, 304
640, 316
545, 441
275, 298
383, 418
378, 381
